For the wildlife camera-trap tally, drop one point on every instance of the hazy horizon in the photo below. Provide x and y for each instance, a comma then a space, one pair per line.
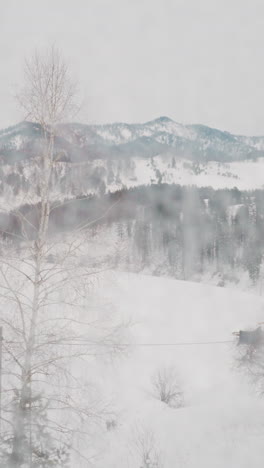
197, 62
76, 121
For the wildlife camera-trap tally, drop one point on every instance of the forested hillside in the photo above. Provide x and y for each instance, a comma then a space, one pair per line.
165, 229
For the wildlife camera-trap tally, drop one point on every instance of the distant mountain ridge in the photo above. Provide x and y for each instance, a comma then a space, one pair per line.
162, 136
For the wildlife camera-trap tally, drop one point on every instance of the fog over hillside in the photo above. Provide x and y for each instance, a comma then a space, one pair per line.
131, 254
95, 160
80, 142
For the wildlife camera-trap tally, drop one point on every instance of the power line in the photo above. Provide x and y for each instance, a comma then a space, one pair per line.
84, 342
188, 343
132, 345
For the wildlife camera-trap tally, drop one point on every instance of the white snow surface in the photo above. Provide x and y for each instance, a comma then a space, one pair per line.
222, 422
245, 175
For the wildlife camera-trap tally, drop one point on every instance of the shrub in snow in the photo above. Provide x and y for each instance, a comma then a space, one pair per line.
249, 359
146, 449
166, 387
111, 424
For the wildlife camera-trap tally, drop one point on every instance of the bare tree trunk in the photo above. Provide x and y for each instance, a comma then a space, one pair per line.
23, 417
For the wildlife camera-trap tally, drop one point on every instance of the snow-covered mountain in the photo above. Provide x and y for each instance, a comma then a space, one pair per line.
79, 142
96, 159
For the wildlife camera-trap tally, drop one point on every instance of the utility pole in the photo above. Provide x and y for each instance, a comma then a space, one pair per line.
1, 358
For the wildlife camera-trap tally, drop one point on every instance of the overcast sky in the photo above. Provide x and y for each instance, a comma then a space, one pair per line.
196, 61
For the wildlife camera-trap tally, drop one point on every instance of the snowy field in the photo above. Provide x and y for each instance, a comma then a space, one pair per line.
222, 421
245, 175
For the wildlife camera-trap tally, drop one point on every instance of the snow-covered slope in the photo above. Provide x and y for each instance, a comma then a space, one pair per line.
221, 423
101, 176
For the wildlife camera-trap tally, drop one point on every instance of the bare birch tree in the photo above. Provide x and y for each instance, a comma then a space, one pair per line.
44, 301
